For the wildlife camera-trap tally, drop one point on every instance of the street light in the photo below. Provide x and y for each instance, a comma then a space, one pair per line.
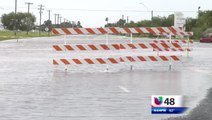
148, 10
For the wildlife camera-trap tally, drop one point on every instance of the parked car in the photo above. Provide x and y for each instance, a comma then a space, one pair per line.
207, 38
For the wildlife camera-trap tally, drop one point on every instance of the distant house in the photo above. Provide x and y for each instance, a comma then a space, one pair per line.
1, 25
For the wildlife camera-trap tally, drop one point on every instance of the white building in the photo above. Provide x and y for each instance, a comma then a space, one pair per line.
1, 26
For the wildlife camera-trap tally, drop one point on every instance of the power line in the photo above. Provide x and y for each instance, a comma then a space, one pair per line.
106, 10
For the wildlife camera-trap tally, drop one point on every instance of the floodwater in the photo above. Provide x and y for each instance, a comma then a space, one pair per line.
31, 88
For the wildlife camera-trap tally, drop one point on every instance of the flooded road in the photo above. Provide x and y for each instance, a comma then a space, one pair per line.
31, 88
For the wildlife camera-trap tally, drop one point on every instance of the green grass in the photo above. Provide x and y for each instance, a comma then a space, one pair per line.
5, 35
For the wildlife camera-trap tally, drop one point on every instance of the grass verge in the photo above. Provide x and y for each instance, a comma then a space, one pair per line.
6, 35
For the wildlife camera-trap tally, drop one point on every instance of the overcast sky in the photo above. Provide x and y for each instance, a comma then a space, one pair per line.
92, 13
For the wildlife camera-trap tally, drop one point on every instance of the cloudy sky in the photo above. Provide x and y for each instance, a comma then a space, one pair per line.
92, 13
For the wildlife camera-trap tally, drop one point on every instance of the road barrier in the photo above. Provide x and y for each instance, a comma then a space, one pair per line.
176, 41
115, 60
173, 46
156, 45
117, 30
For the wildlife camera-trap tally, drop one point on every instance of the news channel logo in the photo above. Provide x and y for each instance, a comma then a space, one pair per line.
167, 104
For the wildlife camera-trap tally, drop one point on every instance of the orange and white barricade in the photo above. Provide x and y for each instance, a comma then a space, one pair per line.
117, 30
122, 46
156, 45
102, 61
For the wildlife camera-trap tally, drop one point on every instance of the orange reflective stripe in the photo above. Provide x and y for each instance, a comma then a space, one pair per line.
100, 60
54, 31
161, 30
139, 30
130, 59
152, 58
81, 47
66, 62
141, 58
150, 30
122, 47
105, 47
89, 61
66, 31
78, 31
176, 45
154, 45
102, 30
127, 30
142, 45
164, 45
164, 58
57, 48
55, 62
93, 47
114, 30
68, 47
77, 61
131, 46
90, 30
175, 58
116, 46
121, 60
112, 60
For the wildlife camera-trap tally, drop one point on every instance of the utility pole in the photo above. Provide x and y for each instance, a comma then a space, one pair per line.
41, 11
49, 22
15, 27
58, 17
49, 11
55, 19
28, 3
61, 19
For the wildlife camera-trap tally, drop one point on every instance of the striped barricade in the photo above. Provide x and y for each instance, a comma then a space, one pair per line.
156, 31
176, 41
117, 30
127, 59
184, 45
77, 31
97, 47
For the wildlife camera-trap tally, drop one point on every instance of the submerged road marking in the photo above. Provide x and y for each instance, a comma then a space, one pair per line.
124, 89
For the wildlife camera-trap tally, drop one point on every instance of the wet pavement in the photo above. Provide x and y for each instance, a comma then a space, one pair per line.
31, 88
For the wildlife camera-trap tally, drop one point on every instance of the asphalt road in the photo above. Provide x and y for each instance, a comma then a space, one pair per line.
201, 112
31, 88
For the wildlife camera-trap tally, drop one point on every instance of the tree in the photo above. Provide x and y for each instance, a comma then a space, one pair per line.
47, 25
22, 20
79, 24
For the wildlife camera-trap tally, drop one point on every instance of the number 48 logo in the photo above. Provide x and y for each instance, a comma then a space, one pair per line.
169, 101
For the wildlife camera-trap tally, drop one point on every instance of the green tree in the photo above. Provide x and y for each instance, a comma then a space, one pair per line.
47, 25
79, 24
21, 20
